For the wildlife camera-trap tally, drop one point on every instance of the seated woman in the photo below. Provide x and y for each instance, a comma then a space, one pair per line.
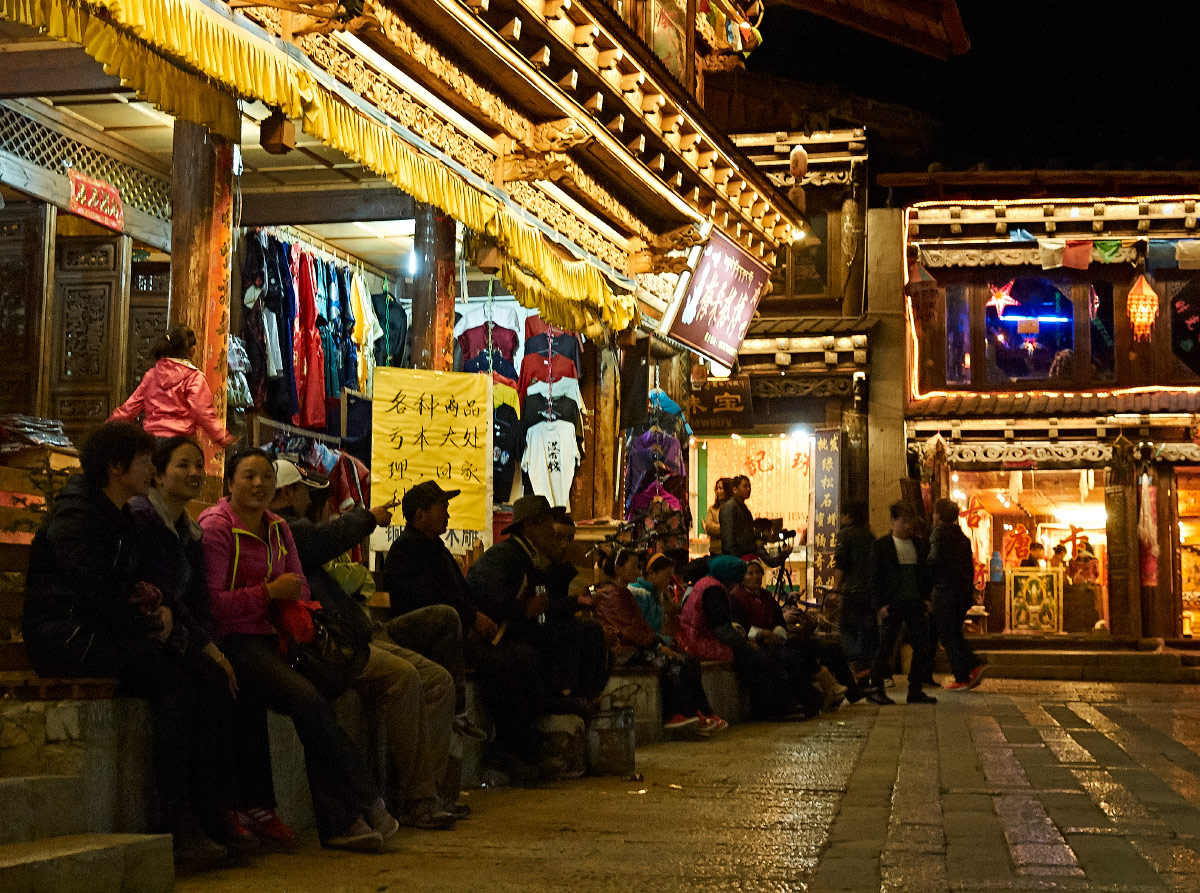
252, 566
90, 612
651, 589
635, 644
764, 620
171, 556
779, 679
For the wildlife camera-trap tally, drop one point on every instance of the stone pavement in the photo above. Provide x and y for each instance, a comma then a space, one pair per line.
1017, 786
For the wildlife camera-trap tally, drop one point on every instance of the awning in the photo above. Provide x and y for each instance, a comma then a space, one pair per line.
148, 39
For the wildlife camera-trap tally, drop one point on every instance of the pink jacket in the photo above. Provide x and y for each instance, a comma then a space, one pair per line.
694, 636
175, 399
240, 565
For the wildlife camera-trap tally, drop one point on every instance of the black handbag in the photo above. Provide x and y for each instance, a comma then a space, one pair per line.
340, 647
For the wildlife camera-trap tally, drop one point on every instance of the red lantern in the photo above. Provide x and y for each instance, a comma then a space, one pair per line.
1142, 308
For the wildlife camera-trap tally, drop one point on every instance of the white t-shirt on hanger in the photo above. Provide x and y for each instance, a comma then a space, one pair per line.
551, 456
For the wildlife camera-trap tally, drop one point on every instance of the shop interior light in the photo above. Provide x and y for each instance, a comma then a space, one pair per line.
799, 433
412, 263
1089, 517
1038, 318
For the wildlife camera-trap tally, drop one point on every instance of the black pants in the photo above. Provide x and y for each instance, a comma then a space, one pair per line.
510, 676
575, 656
683, 688
859, 630
949, 615
779, 679
194, 744
833, 657
910, 616
338, 776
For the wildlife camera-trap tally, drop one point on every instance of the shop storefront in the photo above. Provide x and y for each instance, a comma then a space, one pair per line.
1054, 391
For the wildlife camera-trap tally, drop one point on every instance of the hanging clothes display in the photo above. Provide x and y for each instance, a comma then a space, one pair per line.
550, 459
392, 347
308, 354
367, 331
535, 367
656, 485
489, 326
508, 437
490, 362
286, 402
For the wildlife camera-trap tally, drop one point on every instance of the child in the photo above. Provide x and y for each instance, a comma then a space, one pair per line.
173, 395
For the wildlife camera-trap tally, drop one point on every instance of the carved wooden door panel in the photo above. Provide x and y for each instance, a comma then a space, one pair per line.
23, 250
89, 325
149, 293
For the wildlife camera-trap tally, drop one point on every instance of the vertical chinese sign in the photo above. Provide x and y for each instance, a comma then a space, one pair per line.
434, 426
826, 510
720, 300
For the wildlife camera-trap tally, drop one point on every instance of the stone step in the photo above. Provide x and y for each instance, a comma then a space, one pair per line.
1088, 666
82, 863
37, 806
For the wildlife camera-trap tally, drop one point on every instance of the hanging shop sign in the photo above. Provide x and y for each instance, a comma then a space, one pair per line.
721, 404
826, 506
96, 200
434, 426
1185, 326
720, 300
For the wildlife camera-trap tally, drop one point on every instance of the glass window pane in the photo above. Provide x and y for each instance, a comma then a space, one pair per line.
1100, 312
1185, 325
958, 335
1030, 332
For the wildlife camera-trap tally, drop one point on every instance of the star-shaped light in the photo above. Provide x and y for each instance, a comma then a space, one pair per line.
1002, 298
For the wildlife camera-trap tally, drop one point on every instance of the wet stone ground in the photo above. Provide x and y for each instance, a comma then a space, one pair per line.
1017, 786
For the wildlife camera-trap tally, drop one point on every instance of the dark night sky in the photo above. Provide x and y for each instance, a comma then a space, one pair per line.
1045, 84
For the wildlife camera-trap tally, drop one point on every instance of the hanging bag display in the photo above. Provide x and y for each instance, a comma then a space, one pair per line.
328, 647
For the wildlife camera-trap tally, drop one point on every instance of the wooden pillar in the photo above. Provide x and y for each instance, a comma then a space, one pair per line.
1124, 580
433, 290
1166, 607
201, 255
889, 361
608, 434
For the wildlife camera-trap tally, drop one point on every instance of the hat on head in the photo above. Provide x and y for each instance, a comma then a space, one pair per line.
288, 473
728, 569
425, 495
528, 508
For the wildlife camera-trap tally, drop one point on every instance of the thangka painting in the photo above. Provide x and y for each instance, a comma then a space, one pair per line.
1034, 599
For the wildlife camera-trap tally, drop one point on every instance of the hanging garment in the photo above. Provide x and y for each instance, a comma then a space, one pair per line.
493, 362
508, 438
349, 348
288, 405
391, 349
506, 315
326, 310
642, 501
508, 382
539, 408
536, 367
535, 325
308, 355
488, 335
549, 345
564, 387
652, 455
253, 333
551, 456
367, 331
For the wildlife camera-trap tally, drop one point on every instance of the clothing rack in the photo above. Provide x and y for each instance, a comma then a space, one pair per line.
293, 235
261, 421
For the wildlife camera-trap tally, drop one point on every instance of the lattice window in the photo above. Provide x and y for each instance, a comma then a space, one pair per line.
38, 144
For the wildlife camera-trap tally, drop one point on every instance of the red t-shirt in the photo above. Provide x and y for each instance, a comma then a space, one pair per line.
536, 367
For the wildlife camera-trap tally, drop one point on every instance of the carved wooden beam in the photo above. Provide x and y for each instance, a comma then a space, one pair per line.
617, 124
541, 58
511, 31
569, 81
553, 166
594, 103
556, 136
651, 262
608, 59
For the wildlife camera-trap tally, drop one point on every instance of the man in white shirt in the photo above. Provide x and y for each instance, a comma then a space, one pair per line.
902, 599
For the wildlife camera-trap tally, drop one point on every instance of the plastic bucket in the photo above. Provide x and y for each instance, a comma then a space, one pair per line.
611, 742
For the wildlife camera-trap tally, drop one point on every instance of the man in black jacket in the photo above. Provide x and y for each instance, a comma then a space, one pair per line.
412, 694
952, 570
737, 523
901, 592
852, 579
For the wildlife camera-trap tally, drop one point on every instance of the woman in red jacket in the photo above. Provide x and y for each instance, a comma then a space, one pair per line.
635, 644
173, 395
252, 568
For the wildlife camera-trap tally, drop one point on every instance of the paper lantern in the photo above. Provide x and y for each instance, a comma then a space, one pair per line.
922, 289
1143, 309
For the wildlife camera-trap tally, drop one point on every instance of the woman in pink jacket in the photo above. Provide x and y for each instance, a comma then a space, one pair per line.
252, 566
173, 396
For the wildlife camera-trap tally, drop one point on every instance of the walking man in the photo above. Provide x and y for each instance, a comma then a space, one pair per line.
952, 570
852, 579
901, 590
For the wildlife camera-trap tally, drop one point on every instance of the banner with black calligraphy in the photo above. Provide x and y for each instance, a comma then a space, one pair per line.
826, 505
434, 426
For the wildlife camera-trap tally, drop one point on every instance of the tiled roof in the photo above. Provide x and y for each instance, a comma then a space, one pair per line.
1017, 405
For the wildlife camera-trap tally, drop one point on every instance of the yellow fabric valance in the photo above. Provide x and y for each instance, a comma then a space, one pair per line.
250, 67
163, 84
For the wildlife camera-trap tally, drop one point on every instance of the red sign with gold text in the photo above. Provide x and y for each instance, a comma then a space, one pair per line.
720, 300
96, 200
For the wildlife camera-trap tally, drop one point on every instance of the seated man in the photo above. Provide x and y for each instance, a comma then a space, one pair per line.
413, 695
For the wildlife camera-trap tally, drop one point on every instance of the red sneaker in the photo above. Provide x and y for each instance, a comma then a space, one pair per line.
267, 824
679, 721
958, 686
711, 724
976, 676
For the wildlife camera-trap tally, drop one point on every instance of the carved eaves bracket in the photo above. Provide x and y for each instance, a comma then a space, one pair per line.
665, 253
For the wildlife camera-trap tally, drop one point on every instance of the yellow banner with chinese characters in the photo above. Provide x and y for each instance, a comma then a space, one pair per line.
433, 426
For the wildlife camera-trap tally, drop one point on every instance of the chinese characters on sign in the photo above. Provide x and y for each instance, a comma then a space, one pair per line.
96, 200
433, 426
778, 468
721, 404
826, 517
720, 300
